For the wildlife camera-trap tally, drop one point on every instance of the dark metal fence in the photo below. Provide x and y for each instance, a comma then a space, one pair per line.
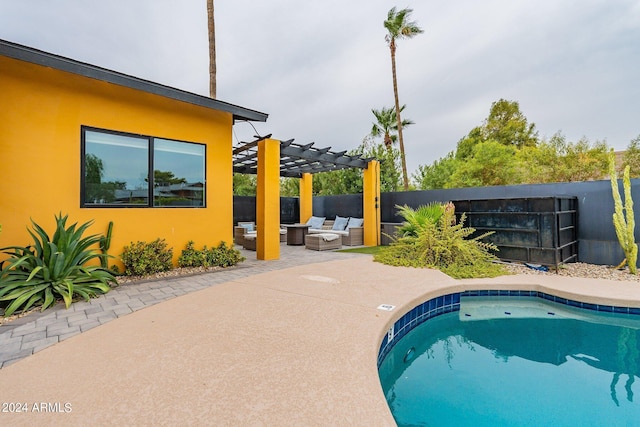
597, 241
539, 230
244, 209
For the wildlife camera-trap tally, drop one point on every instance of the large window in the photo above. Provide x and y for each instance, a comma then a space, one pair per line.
116, 170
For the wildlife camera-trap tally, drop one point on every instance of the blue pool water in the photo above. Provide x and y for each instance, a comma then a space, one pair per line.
516, 362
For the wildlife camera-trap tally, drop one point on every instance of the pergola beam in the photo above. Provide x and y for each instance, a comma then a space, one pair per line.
250, 145
296, 159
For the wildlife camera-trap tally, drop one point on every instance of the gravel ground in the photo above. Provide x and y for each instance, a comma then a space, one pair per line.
580, 269
176, 272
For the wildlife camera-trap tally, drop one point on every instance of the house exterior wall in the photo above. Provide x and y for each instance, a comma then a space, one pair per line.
42, 112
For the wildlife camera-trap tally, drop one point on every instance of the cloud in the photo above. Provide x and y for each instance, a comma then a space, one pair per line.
318, 68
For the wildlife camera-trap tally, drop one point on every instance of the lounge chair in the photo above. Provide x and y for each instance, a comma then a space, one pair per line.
249, 240
241, 229
323, 241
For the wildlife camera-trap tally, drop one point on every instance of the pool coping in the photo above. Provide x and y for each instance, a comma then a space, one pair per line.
448, 303
318, 329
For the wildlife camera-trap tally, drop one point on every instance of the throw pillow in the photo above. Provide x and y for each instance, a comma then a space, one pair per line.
316, 222
355, 222
247, 227
340, 223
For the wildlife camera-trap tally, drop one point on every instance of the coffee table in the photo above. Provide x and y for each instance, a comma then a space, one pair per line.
296, 233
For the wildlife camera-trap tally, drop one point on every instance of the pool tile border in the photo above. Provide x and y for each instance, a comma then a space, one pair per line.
451, 302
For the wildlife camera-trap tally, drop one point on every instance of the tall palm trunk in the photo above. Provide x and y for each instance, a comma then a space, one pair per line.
388, 142
405, 179
212, 50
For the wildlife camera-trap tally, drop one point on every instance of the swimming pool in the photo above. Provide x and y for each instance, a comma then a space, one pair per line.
512, 360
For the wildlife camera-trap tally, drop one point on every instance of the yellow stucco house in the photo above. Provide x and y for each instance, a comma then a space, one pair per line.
156, 161
100, 145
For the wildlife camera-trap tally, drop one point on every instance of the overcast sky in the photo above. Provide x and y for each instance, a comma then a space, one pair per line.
319, 67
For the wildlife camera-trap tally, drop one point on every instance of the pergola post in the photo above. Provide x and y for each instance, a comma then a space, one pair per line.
371, 203
271, 159
306, 197
268, 200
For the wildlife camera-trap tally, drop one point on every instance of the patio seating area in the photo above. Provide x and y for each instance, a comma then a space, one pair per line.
321, 239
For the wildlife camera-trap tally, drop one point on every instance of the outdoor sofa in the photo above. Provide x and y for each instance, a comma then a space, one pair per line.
349, 228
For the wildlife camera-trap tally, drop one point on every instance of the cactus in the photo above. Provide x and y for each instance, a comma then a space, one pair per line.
105, 244
623, 219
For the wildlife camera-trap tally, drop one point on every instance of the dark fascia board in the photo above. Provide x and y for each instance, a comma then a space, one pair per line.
28, 54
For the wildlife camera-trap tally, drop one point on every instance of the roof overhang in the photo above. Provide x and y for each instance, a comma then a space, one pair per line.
296, 159
45, 59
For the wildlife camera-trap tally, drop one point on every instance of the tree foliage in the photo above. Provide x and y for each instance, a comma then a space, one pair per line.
96, 189
343, 181
506, 150
490, 163
386, 125
166, 178
436, 175
289, 187
349, 181
244, 184
631, 157
507, 125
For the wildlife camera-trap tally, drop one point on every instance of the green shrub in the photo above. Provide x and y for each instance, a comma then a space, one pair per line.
414, 220
220, 256
191, 257
445, 245
52, 268
142, 258
225, 256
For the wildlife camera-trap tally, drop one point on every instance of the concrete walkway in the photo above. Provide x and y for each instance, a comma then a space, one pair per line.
265, 346
37, 331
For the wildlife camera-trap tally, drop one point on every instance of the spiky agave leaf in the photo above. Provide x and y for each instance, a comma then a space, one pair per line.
52, 268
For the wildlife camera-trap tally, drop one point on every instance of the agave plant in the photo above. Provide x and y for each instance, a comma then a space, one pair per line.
52, 268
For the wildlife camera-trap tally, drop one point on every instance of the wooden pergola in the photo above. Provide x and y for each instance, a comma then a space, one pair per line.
271, 159
297, 159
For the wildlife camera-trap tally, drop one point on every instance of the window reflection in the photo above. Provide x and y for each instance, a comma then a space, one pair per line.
116, 170
178, 173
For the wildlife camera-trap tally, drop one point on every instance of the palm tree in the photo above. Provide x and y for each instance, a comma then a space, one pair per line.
387, 125
399, 26
212, 49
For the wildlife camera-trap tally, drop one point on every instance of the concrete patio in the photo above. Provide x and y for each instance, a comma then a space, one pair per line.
286, 342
